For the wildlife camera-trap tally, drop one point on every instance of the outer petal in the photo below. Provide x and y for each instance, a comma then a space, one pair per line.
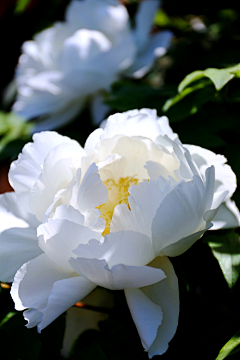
227, 216
65, 293
33, 282
47, 290
124, 247
15, 212
146, 315
55, 175
18, 237
156, 46
57, 238
17, 246
27, 168
165, 294
181, 212
184, 244
142, 122
225, 177
119, 277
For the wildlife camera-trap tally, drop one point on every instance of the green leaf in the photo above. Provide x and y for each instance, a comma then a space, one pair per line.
229, 346
7, 318
21, 6
13, 127
189, 105
226, 250
169, 103
219, 77
194, 76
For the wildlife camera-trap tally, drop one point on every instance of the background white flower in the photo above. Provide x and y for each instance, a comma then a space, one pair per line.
108, 214
66, 63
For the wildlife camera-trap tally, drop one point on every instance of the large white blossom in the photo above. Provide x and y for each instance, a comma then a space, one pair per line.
108, 214
65, 64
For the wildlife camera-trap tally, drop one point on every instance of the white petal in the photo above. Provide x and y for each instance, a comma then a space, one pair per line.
119, 277
64, 212
146, 315
181, 212
163, 123
33, 282
155, 46
57, 238
225, 177
112, 167
56, 174
144, 21
25, 171
227, 216
165, 294
57, 119
17, 246
15, 212
184, 244
65, 293
92, 140
144, 200
217, 201
134, 123
92, 191
124, 247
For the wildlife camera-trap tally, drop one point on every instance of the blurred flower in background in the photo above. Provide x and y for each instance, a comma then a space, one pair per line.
75, 59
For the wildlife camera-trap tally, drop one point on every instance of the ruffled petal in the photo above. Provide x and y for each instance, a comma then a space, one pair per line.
124, 247
146, 315
227, 217
17, 246
166, 295
184, 244
181, 212
58, 162
58, 238
225, 177
119, 277
26, 169
65, 293
33, 282
144, 200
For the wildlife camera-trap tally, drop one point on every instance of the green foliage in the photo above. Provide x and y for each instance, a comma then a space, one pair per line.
219, 77
226, 250
231, 347
12, 127
194, 91
21, 5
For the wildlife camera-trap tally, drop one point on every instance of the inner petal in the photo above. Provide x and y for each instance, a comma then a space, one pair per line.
118, 192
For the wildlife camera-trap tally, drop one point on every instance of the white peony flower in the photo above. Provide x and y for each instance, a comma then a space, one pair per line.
77, 58
108, 214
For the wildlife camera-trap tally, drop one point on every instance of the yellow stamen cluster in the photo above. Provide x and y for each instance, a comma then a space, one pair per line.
117, 194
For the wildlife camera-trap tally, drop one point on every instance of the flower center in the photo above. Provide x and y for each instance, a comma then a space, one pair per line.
117, 194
